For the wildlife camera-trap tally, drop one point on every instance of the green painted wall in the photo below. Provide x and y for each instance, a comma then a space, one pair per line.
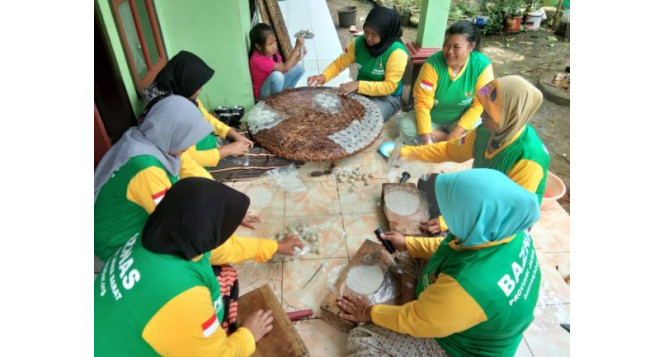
433, 23
105, 15
217, 31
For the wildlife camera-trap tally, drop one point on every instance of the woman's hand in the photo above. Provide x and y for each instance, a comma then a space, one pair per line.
238, 137
431, 226
349, 87
300, 41
426, 139
249, 221
439, 135
236, 148
356, 308
397, 239
259, 323
316, 80
286, 245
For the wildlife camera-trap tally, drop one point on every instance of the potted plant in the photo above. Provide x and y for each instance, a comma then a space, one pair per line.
493, 11
514, 10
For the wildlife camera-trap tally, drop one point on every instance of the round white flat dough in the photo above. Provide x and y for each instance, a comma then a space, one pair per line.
365, 279
402, 203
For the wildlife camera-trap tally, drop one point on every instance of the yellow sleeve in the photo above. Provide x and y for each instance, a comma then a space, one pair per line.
190, 168
472, 114
442, 309
424, 95
422, 247
177, 329
220, 129
527, 174
443, 225
239, 249
394, 68
340, 63
459, 149
148, 187
205, 158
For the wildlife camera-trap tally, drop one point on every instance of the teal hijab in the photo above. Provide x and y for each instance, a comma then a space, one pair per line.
484, 205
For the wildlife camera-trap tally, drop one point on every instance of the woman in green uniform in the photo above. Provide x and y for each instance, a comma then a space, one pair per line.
504, 141
185, 74
137, 171
477, 294
445, 87
158, 294
381, 58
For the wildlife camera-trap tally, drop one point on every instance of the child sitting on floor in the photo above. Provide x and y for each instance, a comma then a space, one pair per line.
269, 75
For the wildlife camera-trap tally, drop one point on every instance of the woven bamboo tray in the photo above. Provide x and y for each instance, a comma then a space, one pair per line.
292, 124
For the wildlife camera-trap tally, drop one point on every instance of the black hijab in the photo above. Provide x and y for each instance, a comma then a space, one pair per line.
195, 216
387, 23
184, 74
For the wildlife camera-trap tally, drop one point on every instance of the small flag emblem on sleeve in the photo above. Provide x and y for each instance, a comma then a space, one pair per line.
426, 85
210, 326
156, 198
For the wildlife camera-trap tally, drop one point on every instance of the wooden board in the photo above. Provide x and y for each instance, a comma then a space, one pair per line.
262, 10
279, 26
283, 340
329, 309
406, 225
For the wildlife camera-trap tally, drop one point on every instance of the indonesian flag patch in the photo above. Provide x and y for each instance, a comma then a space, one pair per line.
210, 326
156, 198
426, 85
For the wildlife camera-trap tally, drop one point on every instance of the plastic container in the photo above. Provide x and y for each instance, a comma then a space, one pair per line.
555, 189
533, 20
347, 16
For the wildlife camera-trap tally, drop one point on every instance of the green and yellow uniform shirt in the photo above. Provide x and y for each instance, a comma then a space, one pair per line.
129, 196
474, 301
444, 98
126, 200
378, 76
524, 159
205, 152
159, 304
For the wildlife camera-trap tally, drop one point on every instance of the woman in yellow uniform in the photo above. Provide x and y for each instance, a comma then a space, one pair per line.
158, 295
137, 171
381, 58
445, 87
477, 294
185, 74
504, 141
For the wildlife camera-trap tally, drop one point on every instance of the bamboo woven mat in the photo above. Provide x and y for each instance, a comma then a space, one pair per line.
293, 124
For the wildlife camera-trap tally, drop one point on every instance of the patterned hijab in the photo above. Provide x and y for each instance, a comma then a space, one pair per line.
172, 125
484, 205
196, 216
511, 102
387, 23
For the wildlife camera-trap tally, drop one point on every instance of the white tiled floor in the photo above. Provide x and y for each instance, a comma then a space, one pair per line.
325, 47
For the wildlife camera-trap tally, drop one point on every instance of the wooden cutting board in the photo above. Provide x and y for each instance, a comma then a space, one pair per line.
283, 340
329, 309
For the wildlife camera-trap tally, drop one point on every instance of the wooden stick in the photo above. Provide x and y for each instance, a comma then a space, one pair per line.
555, 17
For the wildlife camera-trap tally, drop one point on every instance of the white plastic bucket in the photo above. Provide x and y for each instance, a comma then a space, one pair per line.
533, 20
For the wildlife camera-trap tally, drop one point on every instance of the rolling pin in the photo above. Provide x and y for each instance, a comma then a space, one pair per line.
299, 315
